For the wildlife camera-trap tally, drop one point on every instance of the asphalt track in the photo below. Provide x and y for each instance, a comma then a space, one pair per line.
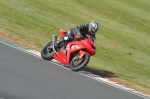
24, 76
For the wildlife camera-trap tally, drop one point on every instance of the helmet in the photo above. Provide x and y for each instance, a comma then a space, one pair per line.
94, 27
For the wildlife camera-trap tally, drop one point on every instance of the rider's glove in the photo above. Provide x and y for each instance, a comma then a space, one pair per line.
80, 36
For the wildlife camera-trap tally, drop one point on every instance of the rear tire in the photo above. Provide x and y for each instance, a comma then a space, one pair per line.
76, 65
47, 54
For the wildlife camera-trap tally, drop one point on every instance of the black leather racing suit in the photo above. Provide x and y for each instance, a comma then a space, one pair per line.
82, 29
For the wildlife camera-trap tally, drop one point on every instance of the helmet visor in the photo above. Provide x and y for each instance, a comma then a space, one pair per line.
93, 30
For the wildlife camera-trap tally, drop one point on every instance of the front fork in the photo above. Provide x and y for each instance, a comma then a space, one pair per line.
81, 54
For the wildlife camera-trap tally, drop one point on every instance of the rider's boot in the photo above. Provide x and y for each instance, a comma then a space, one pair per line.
58, 42
65, 38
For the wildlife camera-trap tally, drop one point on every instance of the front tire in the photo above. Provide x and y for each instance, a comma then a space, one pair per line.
77, 64
46, 53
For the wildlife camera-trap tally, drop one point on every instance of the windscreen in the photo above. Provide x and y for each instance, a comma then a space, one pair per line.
92, 38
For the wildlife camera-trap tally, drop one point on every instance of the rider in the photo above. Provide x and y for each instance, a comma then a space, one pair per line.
81, 31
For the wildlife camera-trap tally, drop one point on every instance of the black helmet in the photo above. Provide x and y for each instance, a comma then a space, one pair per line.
94, 27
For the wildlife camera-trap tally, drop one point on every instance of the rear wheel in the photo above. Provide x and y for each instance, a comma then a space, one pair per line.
78, 64
47, 51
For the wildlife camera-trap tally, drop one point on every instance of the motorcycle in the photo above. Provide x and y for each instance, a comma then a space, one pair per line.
75, 54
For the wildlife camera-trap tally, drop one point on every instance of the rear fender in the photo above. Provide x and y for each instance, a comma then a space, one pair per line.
62, 32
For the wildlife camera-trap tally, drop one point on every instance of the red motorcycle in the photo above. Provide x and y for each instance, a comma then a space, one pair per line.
75, 54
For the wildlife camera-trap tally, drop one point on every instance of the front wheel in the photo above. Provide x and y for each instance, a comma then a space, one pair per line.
78, 64
47, 51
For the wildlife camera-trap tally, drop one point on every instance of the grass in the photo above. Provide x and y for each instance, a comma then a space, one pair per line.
123, 44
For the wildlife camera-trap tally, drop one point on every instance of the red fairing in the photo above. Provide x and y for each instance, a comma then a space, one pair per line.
86, 46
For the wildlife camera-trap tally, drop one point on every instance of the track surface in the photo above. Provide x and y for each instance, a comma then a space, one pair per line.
24, 76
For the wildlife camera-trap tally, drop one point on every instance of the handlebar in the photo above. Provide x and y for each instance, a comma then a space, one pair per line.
77, 37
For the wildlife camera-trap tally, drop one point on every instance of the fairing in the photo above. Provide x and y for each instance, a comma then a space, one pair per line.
86, 46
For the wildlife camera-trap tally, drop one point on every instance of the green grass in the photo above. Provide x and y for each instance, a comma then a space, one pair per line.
123, 44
